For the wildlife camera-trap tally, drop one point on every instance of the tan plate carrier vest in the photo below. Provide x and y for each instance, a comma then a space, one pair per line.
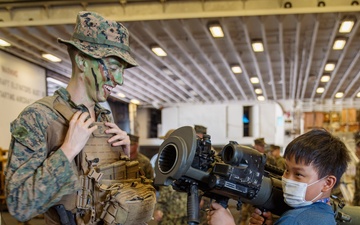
113, 188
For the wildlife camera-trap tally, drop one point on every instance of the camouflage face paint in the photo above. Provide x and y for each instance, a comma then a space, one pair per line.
102, 75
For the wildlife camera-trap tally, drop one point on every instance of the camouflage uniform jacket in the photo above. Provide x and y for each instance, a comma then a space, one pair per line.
38, 174
174, 206
145, 165
356, 201
280, 162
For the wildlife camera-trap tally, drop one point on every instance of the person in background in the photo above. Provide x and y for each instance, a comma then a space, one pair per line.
144, 161
356, 200
42, 166
279, 160
259, 145
315, 162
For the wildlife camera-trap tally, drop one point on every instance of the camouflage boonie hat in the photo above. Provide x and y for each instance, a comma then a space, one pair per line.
99, 38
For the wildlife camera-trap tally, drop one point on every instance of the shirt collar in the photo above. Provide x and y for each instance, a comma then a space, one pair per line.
99, 111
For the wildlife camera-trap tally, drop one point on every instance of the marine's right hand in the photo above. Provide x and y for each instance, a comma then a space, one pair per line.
259, 218
78, 134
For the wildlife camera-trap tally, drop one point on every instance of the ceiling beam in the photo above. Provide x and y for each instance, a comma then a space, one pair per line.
282, 56
268, 58
181, 48
253, 57
310, 58
64, 12
244, 73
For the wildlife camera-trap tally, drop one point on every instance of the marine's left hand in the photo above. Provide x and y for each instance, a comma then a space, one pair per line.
120, 137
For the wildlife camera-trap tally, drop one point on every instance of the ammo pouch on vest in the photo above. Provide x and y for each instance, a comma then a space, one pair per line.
114, 189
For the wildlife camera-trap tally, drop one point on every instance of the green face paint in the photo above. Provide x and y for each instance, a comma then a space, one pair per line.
102, 75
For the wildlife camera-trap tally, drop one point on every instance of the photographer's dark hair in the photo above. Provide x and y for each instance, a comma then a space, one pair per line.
327, 153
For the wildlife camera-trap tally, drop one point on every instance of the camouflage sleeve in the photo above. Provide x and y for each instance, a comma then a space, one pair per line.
34, 180
164, 198
149, 171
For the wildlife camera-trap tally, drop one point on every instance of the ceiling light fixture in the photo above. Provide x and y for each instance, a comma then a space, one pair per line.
339, 44
320, 90
261, 98
135, 101
236, 69
358, 95
329, 67
257, 46
215, 29
4, 43
325, 78
51, 57
346, 26
254, 80
158, 51
339, 95
258, 91
121, 95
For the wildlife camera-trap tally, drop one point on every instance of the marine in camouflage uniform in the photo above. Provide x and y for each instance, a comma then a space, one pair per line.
173, 205
356, 200
144, 162
41, 168
279, 160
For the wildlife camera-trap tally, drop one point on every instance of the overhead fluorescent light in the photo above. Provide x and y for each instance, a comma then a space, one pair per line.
325, 78
258, 91
346, 26
320, 90
339, 44
236, 69
257, 46
121, 95
135, 101
4, 43
158, 51
339, 95
358, 95
261, 98
51, 57
254, 80
216, 30
329, 67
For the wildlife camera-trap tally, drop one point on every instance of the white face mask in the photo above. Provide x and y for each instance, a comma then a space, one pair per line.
294, 192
